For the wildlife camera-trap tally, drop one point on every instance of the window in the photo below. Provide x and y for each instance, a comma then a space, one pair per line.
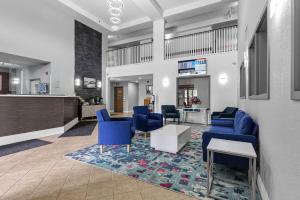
242, 81
259, 62
295, 90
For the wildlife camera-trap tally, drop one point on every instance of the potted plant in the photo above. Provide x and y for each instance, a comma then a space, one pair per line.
196, 102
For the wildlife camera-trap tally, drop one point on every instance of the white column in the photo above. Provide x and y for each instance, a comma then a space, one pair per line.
158, 40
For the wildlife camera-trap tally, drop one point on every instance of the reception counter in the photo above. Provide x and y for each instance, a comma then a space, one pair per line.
24, 117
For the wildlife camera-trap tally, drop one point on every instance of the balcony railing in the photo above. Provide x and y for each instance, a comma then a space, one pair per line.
130, 55
209, 42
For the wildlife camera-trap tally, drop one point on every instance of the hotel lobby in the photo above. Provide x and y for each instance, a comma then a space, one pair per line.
149, 99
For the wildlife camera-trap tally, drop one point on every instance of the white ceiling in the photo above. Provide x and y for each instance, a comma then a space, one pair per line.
168, 4
139, 14
99, 9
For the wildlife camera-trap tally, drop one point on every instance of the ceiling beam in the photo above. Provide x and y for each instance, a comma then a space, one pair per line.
150, 7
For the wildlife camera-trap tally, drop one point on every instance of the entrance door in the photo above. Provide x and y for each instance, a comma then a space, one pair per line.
119, 99
4, 83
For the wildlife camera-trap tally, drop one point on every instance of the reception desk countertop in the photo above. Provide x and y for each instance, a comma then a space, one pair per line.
31, 95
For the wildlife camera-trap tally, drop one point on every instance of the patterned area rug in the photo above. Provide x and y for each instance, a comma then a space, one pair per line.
184, 172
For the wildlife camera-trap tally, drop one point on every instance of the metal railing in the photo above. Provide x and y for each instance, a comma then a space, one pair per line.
209, 42
130, 55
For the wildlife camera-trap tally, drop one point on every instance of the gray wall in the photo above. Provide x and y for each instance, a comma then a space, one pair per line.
88, 58
133, 95
278, 118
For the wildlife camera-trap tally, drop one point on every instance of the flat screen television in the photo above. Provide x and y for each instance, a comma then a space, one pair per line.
192, 67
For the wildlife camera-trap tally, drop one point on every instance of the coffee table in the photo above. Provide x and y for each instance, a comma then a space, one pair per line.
170, 138
235, 148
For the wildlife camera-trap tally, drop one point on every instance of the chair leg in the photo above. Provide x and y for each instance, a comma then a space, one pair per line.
128, 148
101, 149
178, 120
165, 121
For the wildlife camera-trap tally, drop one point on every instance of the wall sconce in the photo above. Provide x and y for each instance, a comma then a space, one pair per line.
15, 81
77, 82
273, 6
166, 82
223, 79
99, 84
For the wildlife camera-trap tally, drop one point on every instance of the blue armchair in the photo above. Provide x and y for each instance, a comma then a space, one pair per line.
114, 131
146, 121
242, 129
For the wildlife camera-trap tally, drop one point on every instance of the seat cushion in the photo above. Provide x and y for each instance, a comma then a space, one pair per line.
172, 115
245, 126
221, 130
154, 123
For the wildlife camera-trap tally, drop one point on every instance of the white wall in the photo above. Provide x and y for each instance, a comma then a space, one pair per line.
278, 118
221, 95
142, 90
44, 30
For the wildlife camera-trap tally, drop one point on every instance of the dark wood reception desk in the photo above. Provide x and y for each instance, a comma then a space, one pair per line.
29, 116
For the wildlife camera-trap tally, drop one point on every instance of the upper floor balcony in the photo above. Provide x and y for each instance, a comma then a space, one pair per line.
209, 42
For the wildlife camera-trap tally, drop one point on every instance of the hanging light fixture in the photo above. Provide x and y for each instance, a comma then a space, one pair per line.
115, 10
115, 20
118, 4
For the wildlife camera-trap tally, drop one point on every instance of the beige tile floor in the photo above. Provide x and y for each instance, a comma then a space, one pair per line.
44, 173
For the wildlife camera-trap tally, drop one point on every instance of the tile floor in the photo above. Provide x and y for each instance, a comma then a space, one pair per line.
44, 173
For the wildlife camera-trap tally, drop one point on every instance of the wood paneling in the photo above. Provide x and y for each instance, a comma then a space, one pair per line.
27, 114
4, 83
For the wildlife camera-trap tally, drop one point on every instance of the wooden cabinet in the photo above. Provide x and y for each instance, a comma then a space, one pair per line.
90, 110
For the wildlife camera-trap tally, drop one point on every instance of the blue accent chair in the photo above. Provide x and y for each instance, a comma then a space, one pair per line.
114, 131
228, 112
170, 112
146, 121
242, 129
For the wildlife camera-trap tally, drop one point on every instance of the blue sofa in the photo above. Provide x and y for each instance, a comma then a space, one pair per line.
114, 131
242, 129
146, 121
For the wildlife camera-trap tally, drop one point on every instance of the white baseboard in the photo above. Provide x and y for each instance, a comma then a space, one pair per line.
262, 189
36, 134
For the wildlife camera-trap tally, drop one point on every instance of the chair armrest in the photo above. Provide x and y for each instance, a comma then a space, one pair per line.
157, 116
140, 120
177, 112
207, 136
216, 113
114, 132
226, 115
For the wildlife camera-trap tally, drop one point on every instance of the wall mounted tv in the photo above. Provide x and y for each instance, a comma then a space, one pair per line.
192, 67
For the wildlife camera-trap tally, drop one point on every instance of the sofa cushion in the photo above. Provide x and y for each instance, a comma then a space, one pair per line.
239, 115
154, 123
222, 122
105, 115
142, 110
245, 126
221, 130
230, 110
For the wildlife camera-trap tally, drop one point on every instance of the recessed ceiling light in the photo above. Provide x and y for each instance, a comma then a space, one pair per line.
115, 20
116, 12
115, 28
